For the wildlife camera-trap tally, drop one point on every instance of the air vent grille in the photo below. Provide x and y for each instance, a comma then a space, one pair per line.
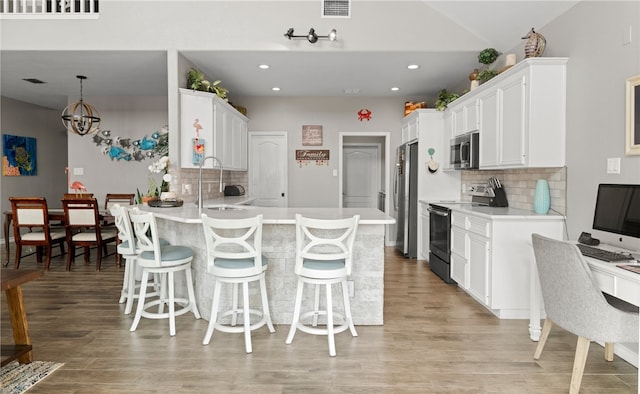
336, 8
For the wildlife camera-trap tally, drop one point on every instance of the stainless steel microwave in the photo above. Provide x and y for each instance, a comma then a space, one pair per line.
464, 151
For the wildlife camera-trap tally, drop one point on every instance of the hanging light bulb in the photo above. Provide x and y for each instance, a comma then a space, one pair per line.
80, 117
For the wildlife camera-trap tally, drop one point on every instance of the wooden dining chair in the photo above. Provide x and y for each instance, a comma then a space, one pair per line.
67, 196
111, 199
122, 199
31, 228
83, 228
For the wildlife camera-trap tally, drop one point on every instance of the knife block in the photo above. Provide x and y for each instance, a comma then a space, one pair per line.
500, 199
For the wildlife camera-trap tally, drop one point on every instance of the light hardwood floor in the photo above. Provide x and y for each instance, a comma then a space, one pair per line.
435, 339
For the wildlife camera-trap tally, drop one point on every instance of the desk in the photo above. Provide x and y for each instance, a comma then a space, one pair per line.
612, 280
55, 214
12, 280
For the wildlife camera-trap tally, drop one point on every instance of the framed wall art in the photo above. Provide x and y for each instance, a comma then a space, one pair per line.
312, 135
633, 116
19, 156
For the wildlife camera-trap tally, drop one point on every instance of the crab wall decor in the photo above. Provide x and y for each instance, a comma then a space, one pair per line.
364, 114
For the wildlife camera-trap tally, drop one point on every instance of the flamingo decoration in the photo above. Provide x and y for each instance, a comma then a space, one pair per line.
76, 186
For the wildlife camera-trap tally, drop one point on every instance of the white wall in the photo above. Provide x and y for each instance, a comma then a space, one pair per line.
311, 185
45, 126
590, 34
127, 117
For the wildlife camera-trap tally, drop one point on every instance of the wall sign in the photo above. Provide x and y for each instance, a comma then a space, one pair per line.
312, 135
319, 156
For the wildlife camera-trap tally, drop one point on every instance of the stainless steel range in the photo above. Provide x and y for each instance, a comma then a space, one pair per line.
440, 241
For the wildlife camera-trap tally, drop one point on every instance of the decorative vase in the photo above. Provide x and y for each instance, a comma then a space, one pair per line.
541, 197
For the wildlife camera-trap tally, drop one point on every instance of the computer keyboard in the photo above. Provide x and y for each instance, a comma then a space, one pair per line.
601, 254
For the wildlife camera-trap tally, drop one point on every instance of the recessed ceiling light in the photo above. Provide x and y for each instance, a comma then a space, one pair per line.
351, 91
413, 66
395, 89
275, 89
263, 66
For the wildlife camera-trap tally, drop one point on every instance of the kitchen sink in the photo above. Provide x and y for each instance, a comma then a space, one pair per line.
226, 208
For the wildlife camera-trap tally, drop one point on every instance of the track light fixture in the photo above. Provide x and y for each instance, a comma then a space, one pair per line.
80, 117
312, 37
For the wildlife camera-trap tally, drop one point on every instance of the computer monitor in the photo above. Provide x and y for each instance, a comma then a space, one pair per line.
617, 214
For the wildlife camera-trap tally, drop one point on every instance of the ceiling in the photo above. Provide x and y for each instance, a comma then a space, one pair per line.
297, 73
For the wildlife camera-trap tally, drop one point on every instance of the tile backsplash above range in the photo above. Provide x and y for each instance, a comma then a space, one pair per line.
519, 185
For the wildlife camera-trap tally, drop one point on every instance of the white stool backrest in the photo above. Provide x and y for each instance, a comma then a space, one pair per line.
125, 230
234, 239
146, 232
325, 240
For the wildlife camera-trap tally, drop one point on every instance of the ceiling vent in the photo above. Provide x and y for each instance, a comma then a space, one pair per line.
336, 8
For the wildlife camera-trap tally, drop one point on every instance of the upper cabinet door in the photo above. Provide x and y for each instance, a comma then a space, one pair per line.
514, 120
489, 107
221, 128
196, 121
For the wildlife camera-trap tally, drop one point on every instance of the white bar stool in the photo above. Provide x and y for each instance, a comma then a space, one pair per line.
165, 261
234, 255
324, 256
128, 250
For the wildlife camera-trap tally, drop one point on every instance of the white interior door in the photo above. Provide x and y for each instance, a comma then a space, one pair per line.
361, 181
268, 168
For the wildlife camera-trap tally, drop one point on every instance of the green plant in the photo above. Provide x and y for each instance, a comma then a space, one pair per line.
488, 56
196, 81
485, 75
444, 98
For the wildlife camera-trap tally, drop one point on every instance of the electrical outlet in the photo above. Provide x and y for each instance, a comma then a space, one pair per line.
351, 287
627, 35
186, 189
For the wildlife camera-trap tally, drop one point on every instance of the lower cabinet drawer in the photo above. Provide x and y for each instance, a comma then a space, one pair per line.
479, 226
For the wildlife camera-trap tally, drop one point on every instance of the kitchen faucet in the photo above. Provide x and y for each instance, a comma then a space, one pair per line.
200, 178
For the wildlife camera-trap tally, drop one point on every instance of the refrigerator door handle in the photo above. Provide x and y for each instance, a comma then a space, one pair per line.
395, 187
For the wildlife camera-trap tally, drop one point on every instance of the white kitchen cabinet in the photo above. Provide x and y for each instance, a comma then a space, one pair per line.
465, 117
479, 263
459, 258
491, 256
222, 127
410, 127
522, 116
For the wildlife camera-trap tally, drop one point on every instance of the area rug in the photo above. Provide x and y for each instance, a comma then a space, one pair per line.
17, 378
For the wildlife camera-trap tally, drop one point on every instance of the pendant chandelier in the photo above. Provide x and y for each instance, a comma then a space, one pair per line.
80, 117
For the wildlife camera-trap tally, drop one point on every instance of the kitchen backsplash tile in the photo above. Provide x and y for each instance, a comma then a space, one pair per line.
520, 184
185, 182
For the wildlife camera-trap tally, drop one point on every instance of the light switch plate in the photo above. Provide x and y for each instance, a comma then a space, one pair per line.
78, 171
613, 165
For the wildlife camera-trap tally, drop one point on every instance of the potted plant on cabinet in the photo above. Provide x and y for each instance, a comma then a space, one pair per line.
444, 98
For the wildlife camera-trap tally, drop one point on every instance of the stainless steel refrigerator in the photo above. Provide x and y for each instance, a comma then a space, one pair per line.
406, 198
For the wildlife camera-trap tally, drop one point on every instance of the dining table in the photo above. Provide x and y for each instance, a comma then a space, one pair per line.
55, 215
11, 283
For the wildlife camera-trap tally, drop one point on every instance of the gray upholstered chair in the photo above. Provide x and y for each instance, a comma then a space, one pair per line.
573, 301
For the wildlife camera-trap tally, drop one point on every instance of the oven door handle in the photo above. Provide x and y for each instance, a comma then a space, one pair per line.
438, 212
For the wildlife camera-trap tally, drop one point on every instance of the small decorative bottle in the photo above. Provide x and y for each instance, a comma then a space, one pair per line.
541, 197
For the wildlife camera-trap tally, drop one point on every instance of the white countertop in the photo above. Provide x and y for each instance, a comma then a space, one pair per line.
506, 213
189, 213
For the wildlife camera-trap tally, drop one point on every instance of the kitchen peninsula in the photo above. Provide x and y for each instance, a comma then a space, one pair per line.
183, 226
